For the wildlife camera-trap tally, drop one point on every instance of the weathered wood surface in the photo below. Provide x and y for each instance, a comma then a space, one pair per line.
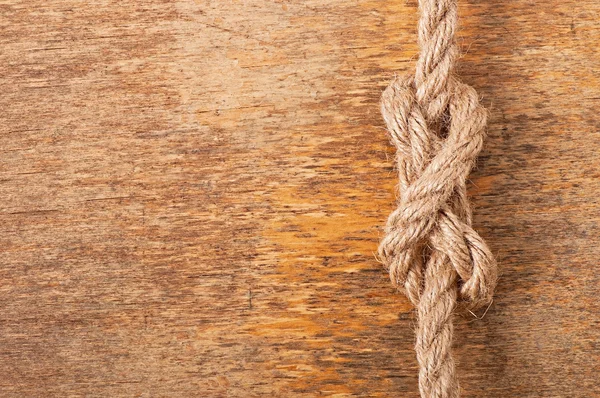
191, 193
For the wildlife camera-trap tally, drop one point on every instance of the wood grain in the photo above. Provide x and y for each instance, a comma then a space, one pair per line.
191, 193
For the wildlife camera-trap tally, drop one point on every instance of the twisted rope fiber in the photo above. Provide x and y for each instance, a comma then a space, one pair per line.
429, 247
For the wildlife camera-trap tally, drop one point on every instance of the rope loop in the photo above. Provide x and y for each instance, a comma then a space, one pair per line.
434, 159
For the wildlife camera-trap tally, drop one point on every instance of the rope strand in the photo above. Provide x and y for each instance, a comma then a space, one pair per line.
431, 251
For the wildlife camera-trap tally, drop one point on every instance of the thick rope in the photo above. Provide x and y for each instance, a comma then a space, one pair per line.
429, 248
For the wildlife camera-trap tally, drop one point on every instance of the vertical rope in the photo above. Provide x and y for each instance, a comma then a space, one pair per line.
429, 247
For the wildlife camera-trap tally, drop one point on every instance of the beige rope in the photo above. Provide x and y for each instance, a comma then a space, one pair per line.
429, 248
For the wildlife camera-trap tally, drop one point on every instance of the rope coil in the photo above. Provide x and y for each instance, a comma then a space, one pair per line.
430, 249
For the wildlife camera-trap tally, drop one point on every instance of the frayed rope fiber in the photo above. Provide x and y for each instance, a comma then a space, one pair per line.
437, 126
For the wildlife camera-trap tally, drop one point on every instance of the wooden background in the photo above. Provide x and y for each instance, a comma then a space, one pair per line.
192, 192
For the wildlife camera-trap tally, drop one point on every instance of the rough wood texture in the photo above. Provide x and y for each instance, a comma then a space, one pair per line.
191, 193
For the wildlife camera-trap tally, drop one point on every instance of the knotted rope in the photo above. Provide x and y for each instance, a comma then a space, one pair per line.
429, 248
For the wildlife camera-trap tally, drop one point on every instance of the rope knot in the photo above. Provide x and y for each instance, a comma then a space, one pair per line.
437, 139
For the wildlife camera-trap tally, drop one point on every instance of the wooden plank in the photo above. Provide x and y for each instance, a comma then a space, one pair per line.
192, 193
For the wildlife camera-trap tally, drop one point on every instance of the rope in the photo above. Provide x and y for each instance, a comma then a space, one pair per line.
437, 126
